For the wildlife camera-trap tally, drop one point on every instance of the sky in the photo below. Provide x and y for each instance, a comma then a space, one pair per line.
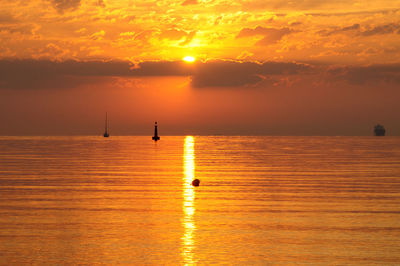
306, 67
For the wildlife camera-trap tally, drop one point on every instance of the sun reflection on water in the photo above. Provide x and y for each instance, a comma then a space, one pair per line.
188, 202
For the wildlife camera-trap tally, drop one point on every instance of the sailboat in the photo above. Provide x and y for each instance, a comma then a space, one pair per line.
155, 137
106, 134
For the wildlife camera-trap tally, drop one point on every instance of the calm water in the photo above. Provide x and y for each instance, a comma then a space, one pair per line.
261, 200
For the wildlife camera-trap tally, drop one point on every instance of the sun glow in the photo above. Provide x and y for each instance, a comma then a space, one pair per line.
189, 59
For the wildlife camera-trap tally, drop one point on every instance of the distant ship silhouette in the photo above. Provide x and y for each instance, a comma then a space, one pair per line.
106, 134
155, 137
379, 130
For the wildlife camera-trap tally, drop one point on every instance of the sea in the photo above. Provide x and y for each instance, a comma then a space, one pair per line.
262, 200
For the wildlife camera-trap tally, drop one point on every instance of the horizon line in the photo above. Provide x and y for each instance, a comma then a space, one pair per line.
200, 135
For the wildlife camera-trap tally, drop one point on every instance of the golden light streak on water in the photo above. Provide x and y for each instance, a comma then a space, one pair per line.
188, 202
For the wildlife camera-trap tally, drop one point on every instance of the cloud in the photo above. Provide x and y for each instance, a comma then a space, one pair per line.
163, 68
45, 74
226, 74
220, 73
367, 75
271, 35
352, 13
377, 30
354, 27
33, 74
22, 29
66, 5
296, 23
291, 5
383, 29
223, 73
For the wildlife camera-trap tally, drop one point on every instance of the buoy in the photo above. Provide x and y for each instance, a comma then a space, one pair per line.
196, 182
155, 137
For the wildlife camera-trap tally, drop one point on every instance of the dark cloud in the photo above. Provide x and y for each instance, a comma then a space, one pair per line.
352, 13
356, 29
66, 5
236, 74
297, 23
382, 29
289, 5
42, 74
352, 27
226, 74
36, 74
32, 74
367, 75
271, 35
164, 68
219, 73
22, 29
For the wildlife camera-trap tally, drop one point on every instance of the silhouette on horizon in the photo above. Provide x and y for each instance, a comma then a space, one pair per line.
106, 134
155, 137
379, 130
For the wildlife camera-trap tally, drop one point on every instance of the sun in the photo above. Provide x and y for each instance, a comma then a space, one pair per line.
189, 59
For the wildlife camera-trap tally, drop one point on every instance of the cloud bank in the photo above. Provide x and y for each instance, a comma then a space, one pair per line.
36, 74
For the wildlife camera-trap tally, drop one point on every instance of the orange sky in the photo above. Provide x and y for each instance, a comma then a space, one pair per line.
276, 67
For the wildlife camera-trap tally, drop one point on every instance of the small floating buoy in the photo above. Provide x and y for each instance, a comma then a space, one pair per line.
196, 182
